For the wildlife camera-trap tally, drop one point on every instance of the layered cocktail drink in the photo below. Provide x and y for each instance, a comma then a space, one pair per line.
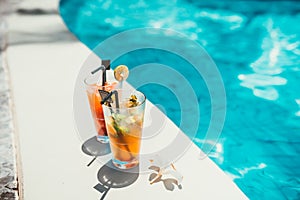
92, 89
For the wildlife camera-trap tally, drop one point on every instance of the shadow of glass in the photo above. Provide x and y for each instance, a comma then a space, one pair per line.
110, 176
93, 147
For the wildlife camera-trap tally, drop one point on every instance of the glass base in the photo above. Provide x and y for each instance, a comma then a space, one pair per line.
103, 139
124, 164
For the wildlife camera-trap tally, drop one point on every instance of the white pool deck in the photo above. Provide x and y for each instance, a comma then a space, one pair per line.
44, 61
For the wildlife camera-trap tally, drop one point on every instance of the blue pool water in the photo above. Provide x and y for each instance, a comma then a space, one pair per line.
256, 46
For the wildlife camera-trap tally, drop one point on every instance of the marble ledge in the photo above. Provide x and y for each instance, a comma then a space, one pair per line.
8, 162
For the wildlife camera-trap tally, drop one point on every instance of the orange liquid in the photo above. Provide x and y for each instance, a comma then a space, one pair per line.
97, 113
126, 146
96, 107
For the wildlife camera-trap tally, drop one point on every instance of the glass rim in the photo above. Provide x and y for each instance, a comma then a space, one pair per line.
131, 91
89, 84
94, 84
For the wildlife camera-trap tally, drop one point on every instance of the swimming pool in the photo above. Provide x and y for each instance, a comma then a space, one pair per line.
256, 47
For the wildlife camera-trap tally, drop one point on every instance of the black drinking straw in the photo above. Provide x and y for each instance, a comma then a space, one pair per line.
102, 67
115, 92
105, 66
106, 63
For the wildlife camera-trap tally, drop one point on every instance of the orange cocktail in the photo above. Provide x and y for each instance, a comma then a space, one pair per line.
94, 98
124, 126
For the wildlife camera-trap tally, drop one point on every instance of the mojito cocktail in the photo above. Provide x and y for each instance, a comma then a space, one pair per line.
124, 125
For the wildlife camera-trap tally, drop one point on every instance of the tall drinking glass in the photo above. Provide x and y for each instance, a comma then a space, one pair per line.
94, 98
124, 124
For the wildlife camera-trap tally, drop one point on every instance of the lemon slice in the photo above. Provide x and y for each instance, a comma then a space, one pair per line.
121, 73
